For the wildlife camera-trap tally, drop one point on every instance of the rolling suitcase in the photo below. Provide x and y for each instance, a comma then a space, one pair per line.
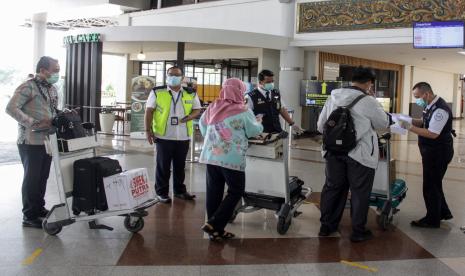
88, 190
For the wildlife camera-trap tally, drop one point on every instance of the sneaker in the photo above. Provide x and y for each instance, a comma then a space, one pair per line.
325, 231
33, 223
164, 198
360, 237
43, 213
185, 196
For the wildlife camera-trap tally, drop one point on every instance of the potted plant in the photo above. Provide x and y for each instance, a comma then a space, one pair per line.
107, 119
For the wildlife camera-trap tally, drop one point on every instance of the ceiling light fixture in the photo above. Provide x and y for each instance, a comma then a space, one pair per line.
141, 55
461, 52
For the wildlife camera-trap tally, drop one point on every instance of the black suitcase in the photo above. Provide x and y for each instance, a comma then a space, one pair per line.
88, 190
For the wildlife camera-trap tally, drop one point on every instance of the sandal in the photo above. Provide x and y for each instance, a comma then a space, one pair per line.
227, 235
213, 235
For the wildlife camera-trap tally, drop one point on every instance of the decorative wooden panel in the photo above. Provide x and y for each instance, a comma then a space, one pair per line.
345, 15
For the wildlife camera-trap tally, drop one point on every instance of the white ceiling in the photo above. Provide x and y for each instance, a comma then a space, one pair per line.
447, 60
125, 47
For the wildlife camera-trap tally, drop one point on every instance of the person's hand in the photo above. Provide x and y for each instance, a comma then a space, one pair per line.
184, 120
405, 124
296, 129
259, 118
150, 137
43, 124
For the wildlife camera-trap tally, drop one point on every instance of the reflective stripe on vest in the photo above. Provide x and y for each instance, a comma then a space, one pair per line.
163, 108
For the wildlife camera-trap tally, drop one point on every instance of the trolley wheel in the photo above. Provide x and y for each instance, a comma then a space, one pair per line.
133, 224
383, 221
50, 229
283, 224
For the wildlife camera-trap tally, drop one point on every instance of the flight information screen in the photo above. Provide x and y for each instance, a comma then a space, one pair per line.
444, 34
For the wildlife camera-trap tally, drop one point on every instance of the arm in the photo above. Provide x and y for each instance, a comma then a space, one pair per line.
202, 125
323, 116
148, 125
417, 122
286, 116
195, 110
436, 125
423, 132
373, 110
22, 95
252, 127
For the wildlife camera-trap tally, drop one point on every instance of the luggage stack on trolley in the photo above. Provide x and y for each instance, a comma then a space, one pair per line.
268, 184
92, 187
388, 192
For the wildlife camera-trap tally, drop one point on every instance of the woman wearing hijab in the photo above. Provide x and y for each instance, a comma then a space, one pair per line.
226, 125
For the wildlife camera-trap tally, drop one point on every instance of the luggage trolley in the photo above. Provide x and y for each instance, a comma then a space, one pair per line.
268, 185
387, 192
61, 214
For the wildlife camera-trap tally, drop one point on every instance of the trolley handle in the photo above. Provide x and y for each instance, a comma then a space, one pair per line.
386, 136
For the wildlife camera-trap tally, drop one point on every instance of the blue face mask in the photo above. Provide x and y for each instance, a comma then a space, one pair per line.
173, 80
421, 102
268, 86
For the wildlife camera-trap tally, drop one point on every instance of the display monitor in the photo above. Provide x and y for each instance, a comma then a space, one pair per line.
439, 34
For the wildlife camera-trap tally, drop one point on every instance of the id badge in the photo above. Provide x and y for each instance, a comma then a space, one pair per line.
174, 121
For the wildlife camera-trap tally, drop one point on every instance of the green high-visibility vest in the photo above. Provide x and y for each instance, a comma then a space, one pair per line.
163, 108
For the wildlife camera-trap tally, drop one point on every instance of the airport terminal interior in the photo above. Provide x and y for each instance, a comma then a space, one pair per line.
112, 53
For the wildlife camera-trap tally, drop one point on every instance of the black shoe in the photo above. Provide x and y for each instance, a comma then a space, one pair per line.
447, 217
34, 223
360, 237
423, 224
325, 231
185, 196
164, 198
43, 213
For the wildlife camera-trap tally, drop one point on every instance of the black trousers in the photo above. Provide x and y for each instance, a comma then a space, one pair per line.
220, 210
344, 173
170, 151
435, 161
36, 164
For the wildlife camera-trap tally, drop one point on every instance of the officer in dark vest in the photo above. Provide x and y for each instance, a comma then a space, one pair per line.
434, 132
265, 100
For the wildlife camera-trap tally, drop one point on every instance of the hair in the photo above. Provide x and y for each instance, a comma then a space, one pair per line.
174, 67
264, 73
44, 63
363, 75
423, 87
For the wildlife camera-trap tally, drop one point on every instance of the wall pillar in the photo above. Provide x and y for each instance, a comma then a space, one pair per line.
291, 73
39, 27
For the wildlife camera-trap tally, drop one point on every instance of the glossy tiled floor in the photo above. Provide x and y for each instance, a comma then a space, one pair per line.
172, 244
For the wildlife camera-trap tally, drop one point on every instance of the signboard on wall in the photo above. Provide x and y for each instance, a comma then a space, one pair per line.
141, 87
315, 93
331, 71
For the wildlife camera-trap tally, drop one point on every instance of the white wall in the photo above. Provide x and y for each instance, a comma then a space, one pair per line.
269, 59
441, 82
257, 16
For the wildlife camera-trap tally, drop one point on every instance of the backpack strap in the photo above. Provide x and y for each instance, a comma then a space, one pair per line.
354, 102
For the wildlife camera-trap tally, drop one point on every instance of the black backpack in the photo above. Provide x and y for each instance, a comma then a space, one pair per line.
68, 125
339, 135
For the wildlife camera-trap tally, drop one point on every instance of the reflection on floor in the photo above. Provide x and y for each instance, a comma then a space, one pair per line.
173, 244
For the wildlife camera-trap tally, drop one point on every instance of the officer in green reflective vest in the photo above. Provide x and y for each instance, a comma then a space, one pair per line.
168, 123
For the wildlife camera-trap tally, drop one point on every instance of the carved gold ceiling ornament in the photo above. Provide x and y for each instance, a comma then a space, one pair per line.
346, 15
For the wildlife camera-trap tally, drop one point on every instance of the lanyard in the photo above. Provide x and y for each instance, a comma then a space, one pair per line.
177, 100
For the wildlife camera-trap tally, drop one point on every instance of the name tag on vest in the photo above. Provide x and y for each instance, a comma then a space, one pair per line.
188, 101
